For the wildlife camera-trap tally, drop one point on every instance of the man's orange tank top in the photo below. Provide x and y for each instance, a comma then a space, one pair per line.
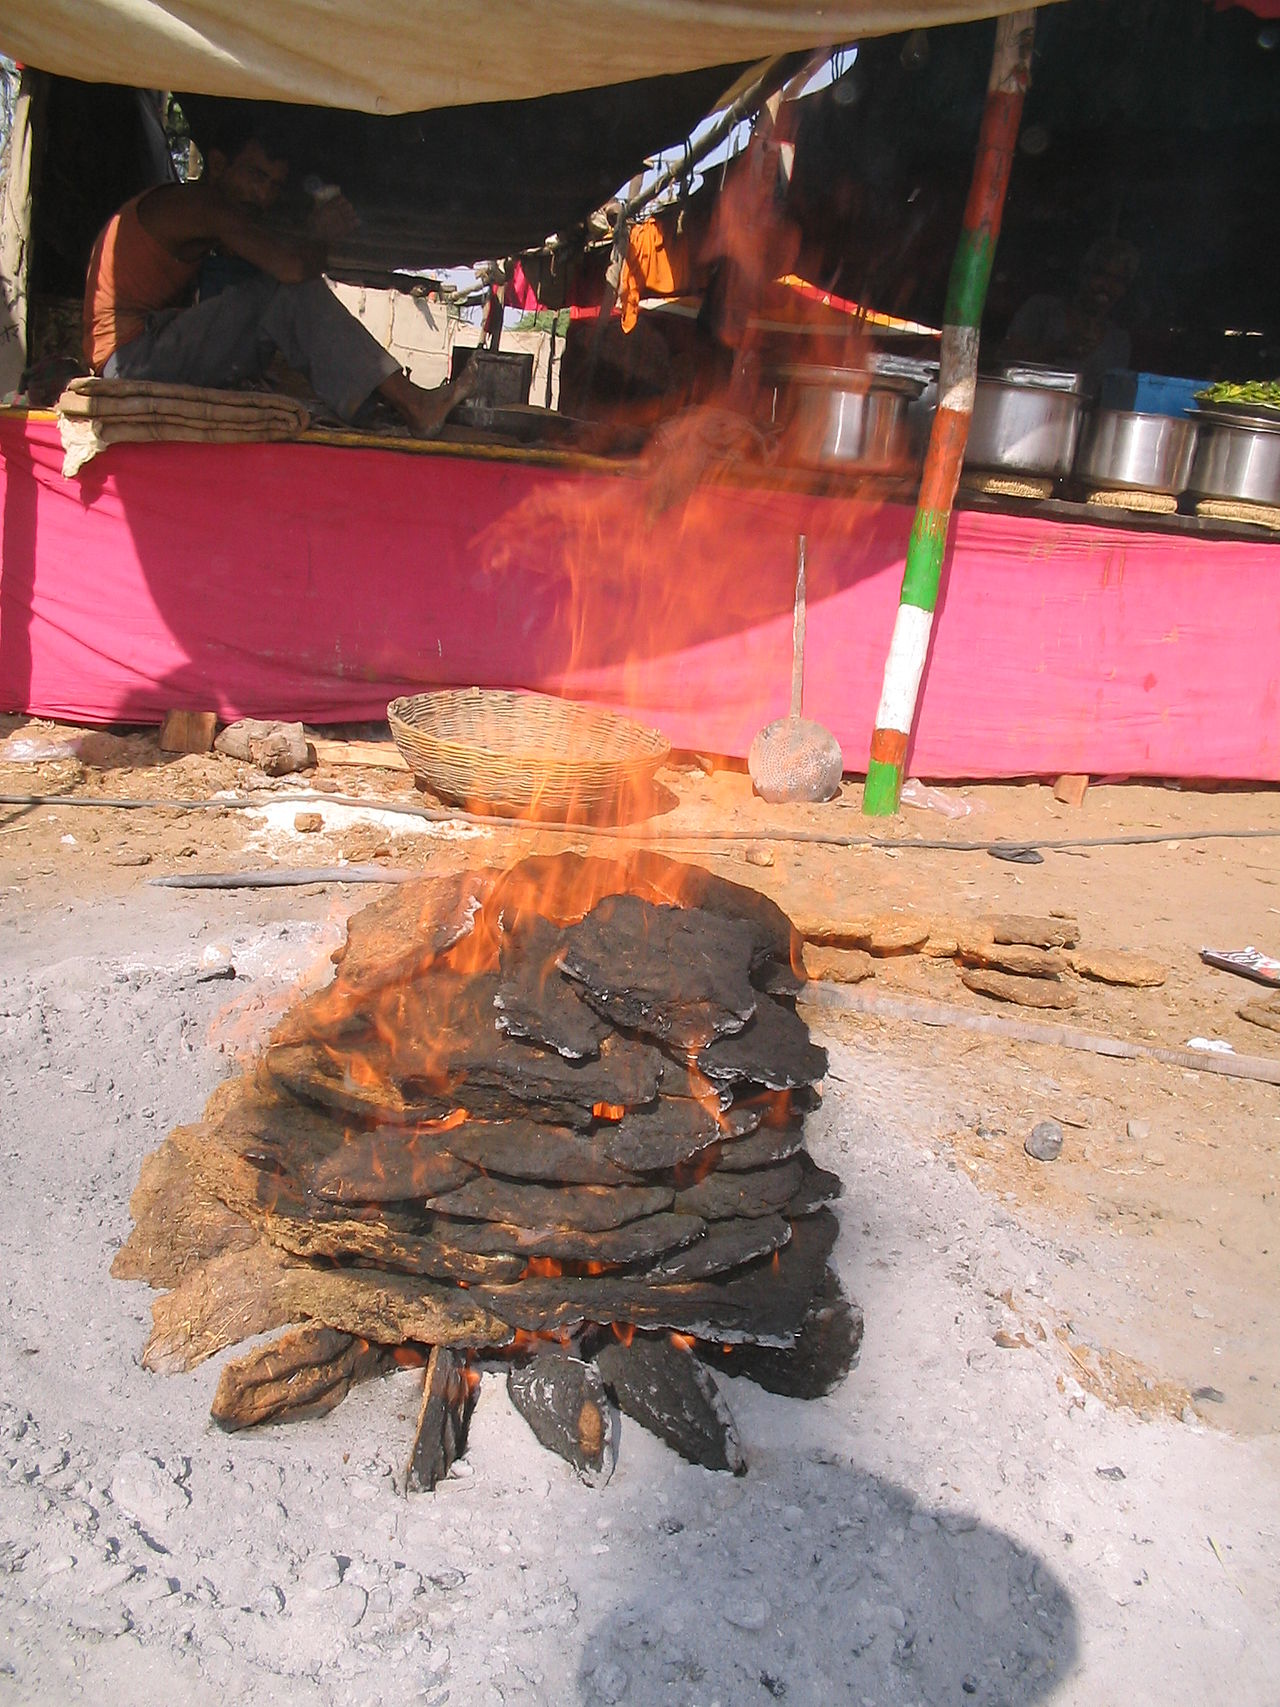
130, 277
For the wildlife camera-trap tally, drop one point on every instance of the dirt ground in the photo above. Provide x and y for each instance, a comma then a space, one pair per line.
1053, 1475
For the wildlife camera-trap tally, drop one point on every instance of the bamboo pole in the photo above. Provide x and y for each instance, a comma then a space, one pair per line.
966, 297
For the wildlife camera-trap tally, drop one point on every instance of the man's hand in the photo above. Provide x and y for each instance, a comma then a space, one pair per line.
332, 220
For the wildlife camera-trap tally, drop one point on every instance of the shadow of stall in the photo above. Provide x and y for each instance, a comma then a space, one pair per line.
854, 1592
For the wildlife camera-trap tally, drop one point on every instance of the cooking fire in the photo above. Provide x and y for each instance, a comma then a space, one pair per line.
550, 1120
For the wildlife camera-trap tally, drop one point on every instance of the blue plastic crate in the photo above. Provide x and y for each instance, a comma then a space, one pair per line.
1151, 393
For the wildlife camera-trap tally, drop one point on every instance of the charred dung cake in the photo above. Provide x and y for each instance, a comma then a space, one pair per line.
549, 1120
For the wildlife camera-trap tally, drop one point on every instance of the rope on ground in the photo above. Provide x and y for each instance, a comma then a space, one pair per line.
639, 832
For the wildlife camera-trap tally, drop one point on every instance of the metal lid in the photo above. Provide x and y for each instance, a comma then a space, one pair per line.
847, 379
1099, 418
889, 363
1039, 377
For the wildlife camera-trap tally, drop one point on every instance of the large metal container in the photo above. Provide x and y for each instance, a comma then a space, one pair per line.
1128, 451
844, 418
1236, 459
502, 376
1025, 421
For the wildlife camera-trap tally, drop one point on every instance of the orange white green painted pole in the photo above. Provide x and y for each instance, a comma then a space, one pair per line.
966, 297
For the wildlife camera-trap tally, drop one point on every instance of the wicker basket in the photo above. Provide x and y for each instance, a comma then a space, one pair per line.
490, 747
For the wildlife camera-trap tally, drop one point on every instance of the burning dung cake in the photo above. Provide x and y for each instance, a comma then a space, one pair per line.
551, 1119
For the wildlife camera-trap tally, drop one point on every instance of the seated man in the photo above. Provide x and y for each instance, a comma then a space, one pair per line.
1078, 331
140, 323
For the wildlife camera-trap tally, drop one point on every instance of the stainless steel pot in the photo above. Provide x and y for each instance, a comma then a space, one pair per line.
1137, 452
1236, 460
844, 418
1023, 427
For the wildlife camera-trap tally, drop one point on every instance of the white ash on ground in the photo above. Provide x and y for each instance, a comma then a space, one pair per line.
947, 1526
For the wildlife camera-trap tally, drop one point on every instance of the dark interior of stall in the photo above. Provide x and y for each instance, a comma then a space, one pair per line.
1155, 121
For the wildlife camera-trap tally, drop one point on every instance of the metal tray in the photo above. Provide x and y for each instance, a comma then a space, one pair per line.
1240, 415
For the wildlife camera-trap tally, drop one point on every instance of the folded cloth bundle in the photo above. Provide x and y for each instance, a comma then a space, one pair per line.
94, 413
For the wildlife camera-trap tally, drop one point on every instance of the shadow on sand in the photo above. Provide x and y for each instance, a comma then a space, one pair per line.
820, 1584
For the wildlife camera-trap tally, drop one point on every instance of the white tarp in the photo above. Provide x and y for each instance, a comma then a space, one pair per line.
388, 56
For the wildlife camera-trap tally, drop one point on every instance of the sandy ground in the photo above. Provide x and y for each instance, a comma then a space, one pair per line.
1052, 1477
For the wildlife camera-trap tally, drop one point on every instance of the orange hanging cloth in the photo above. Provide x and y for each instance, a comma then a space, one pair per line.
656, 265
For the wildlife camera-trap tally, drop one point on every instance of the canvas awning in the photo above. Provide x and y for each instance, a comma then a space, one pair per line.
396, 56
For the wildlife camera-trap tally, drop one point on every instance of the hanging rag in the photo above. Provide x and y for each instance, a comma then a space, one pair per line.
657, 264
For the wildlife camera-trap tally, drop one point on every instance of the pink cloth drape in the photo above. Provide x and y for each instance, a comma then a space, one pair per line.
312, 581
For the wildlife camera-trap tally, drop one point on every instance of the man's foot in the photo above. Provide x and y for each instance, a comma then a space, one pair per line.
426, 411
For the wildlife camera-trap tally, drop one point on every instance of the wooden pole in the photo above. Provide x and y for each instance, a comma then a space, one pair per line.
966, 298
17, 182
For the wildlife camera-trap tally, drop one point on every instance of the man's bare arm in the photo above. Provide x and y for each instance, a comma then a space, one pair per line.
189, 220
286, 257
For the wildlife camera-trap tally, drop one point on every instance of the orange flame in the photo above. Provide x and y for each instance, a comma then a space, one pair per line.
399, 1042
542, 1268
685, 1342
614, 542
627, 615
523, 1340
776, 1107
459, 1117
552, 1268
623, 1331
359, 1070
697, 1167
